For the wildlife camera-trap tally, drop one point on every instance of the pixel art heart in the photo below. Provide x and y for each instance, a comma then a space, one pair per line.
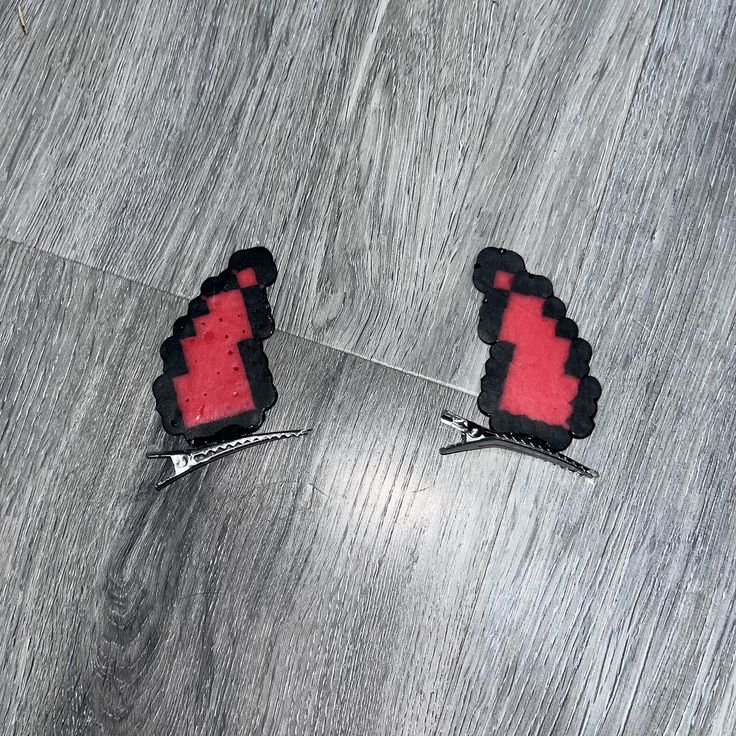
536, 381
216, 383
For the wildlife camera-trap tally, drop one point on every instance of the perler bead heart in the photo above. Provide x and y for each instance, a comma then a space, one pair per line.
216, 383
536, 380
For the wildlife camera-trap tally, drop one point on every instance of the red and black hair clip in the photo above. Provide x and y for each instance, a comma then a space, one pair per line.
536, 390
216, 386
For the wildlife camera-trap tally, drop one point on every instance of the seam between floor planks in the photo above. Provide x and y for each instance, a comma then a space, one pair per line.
173, 295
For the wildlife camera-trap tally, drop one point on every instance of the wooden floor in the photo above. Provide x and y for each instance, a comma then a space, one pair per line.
353, 581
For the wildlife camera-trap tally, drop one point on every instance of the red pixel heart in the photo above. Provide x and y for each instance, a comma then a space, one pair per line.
536, 380
216, 383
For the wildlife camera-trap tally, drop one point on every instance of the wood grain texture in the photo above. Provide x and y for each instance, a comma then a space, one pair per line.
374, 147
272, 593
354, 582
632, 627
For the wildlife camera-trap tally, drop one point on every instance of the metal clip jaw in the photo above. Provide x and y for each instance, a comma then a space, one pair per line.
475, 437
184, 463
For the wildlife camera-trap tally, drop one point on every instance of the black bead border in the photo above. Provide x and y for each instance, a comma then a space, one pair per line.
251, 351
489, 261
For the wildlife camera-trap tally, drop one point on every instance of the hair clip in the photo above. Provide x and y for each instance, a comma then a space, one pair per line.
536, 390
216, 386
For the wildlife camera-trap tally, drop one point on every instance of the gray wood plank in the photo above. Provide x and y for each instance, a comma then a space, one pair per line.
273, 593
616, 610
374, 147
358, 583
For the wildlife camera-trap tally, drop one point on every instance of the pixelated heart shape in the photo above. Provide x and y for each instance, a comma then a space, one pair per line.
536, 381
216, 383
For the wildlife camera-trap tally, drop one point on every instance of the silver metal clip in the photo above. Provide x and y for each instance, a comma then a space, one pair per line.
475, 437
185, 462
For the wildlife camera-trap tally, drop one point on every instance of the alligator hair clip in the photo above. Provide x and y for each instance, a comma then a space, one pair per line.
216, 386
536, 390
